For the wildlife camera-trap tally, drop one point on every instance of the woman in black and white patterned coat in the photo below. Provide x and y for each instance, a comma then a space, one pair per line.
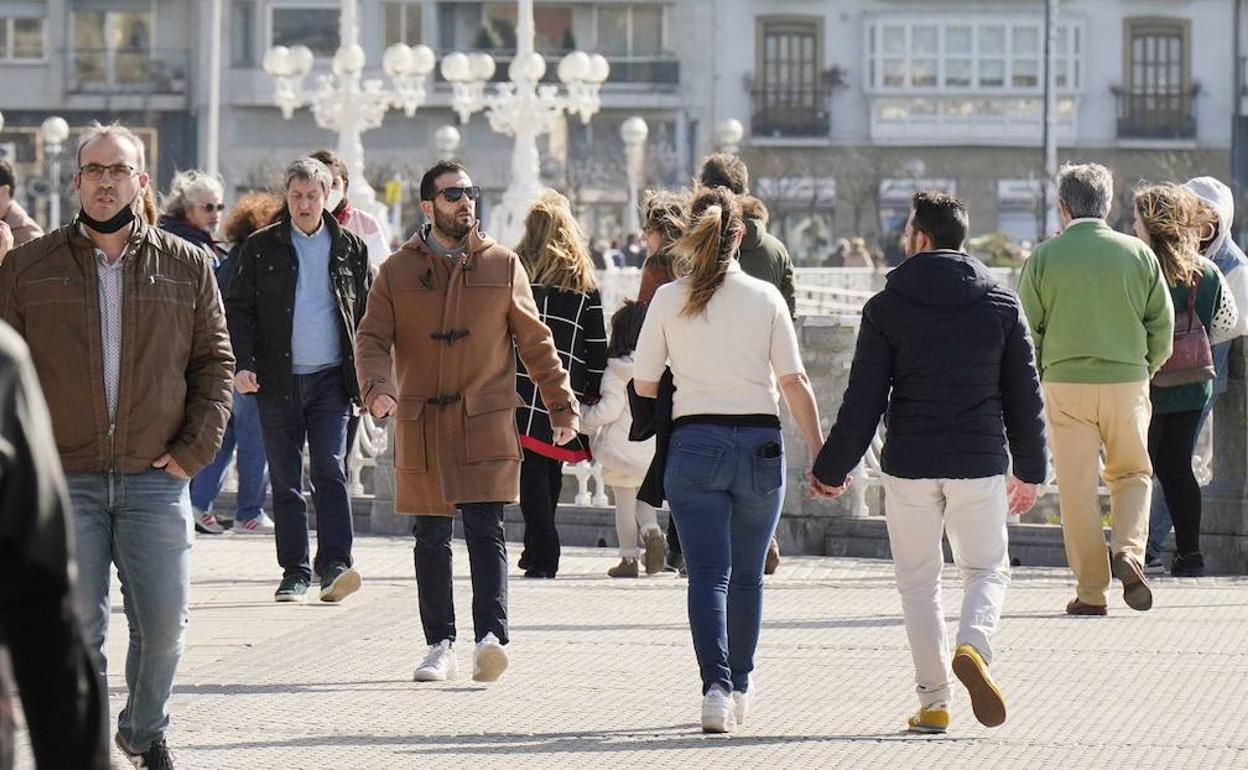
566, 291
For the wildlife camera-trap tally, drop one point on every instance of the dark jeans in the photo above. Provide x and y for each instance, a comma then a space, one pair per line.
353, 427
317, 412
725, 486
1171, 438
541, 480
244, 433
487, 561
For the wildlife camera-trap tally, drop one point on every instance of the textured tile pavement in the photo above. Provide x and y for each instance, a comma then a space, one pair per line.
603, 674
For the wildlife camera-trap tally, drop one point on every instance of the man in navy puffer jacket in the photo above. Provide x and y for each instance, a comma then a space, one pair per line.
944, 354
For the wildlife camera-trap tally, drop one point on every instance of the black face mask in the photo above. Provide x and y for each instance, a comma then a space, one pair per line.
112, 224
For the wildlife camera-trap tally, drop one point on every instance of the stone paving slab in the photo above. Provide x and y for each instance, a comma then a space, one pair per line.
603, 674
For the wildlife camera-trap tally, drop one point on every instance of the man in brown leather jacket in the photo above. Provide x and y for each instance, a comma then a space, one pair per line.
128, 337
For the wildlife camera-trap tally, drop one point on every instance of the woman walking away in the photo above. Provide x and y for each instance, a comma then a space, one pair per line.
1168, 218
624, 462
729, 339
562, 278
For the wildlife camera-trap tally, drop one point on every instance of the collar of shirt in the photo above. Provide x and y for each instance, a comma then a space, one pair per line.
1083, 220
297, 233
734, 266
100, 257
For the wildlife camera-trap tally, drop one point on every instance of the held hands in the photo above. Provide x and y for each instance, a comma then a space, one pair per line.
383, 407
1021, 495
825, 491
245, 381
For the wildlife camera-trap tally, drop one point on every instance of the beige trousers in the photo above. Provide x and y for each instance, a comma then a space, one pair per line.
1081, 419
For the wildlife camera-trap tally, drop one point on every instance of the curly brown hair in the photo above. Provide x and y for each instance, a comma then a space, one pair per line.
665, 212
1173, 217
706, 249
253, 211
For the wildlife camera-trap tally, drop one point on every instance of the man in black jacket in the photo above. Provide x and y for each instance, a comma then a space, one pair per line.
297, 295
62, 696
954, 349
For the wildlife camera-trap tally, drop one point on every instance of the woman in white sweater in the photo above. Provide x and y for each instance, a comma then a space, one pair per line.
624, 462
733, 352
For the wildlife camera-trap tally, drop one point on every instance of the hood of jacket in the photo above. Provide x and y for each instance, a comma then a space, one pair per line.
478, 241
1219, 196
941, 278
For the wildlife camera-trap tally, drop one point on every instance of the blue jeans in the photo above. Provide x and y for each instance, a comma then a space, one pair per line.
725, 487
142, 523
243, 432
1159, 521
317, 412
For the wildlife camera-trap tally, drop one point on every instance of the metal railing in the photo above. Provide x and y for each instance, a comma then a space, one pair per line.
790, 112
128, 71
1156, 113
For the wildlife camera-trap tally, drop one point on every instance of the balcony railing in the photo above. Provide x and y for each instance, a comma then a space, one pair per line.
790, 112
1152, 113
128, 71
663, 69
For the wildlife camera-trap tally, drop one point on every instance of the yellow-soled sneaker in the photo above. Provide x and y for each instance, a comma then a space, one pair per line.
986, 700
933, 721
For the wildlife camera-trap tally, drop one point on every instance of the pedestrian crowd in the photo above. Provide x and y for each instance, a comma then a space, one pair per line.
170, 337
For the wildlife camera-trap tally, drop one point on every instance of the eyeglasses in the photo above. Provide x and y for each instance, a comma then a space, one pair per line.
95, 172
453, 194
211, 207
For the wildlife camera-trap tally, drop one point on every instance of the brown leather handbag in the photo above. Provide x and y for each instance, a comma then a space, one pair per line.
1192, 358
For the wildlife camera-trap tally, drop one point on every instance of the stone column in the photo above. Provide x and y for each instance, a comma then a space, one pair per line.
383, 520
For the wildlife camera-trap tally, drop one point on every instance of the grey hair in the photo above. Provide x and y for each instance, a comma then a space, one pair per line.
115, 130
310, 170
186, 188
1085, 189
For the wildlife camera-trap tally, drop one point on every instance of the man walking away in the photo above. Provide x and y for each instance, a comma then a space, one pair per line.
944, 351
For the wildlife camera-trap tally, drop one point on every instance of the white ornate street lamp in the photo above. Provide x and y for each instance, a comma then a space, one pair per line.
446, 142
523, 108
728, 136
634, 132
54, 132
344, 101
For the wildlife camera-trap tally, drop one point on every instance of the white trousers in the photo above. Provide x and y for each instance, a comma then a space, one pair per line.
631, 515
973, 513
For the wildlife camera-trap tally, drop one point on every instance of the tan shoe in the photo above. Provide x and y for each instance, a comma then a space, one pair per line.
1079, 607
986, 700
655, 555
933, 721
1135, 590
773, 558
627, 568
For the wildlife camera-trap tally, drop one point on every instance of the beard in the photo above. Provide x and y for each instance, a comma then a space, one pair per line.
449, 224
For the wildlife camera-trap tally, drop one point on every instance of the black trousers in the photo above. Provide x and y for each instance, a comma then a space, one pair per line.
1171, 439
487, 561
541, 480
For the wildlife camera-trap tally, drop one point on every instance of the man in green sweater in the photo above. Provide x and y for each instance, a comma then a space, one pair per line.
1102, 321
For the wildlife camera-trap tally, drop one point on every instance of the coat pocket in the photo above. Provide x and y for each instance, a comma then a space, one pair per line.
409, 435
490, 425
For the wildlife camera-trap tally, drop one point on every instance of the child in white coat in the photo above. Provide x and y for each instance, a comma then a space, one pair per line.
624, 462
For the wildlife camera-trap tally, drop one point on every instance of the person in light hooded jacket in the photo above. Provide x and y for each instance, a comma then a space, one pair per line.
1220, 247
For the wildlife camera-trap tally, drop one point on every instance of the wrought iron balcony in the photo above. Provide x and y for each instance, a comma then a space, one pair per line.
1157, 113
128, 71
790, 112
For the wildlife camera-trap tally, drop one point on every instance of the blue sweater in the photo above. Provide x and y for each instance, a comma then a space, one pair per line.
314, 343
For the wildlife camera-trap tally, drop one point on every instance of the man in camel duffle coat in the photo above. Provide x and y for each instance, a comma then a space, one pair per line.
442, 315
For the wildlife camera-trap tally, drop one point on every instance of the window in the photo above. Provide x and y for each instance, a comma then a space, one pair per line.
612, 29
401, 23
242, 41
315, 26
112, 46
1158, 101
1158, 56
964, 55
21, 38
789, 96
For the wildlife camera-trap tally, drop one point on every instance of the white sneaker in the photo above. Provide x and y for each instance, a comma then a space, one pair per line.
439, 665
719, 714
489, 660
206, 523
742, 701
262, 524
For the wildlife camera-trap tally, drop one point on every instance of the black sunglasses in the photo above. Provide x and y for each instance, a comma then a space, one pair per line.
453, 194
212, 207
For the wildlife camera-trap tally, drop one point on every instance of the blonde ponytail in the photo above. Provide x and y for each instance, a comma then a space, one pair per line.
705, 251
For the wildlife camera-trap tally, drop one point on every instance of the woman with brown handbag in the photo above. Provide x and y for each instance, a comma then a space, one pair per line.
1168, 219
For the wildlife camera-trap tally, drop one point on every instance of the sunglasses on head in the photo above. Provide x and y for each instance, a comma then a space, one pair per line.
210, 207
453, 194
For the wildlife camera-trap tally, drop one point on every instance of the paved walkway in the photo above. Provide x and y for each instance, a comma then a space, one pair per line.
603, 675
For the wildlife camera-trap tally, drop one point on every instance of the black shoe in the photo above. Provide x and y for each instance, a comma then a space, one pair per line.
339, 582
293, 589
157, 756
1153, 565
1188, 565
675, 561
540, 574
